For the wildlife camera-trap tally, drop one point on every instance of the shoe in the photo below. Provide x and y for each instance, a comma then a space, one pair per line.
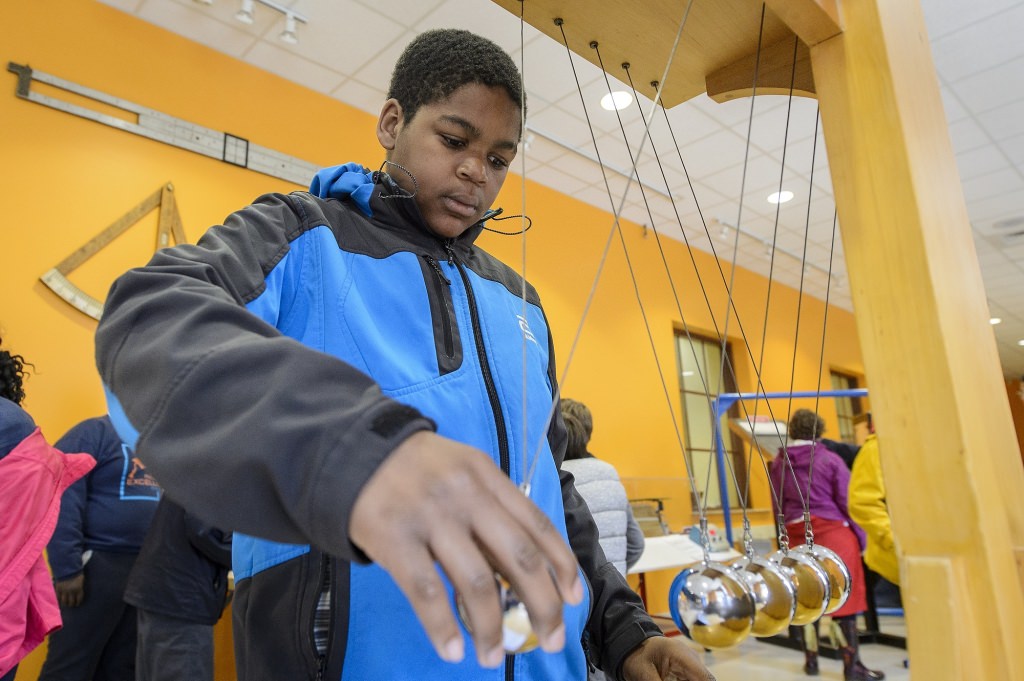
811, 666
858, 672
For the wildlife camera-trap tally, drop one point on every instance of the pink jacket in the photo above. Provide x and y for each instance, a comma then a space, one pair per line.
32, 478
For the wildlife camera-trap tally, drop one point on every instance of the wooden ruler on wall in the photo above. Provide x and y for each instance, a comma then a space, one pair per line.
154, 125
168, 226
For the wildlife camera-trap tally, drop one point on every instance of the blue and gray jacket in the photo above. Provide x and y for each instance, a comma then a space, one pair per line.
266, 372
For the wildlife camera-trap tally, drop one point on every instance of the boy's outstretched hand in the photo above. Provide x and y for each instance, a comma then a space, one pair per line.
664, 659
436, 500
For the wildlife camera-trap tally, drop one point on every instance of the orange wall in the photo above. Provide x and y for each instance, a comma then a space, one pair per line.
63, 179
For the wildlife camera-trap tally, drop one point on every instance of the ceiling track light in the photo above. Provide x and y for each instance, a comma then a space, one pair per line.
247, 15
288, 34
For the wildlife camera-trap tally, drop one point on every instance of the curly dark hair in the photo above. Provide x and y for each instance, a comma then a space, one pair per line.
437, 63
806, 425
12, 373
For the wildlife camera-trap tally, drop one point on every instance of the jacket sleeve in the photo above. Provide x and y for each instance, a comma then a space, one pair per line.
840, 489
211, 542
634, 539
65, 548
246, 428
867, 496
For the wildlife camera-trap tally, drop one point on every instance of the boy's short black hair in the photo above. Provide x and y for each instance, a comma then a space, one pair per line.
437, 63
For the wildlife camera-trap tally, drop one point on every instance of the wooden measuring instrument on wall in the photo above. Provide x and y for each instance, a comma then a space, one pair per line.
168, 225
146, 122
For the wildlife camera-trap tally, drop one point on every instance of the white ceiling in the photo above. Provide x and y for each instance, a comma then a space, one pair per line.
348, 47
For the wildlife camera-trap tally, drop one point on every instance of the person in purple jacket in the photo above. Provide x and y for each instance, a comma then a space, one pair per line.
807, 471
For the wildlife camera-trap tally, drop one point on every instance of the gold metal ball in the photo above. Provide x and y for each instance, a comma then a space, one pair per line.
810, 582
772, 591
517, 635
714, 607
839, 579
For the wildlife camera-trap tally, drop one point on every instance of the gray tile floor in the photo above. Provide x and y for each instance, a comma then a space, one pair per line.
754, 660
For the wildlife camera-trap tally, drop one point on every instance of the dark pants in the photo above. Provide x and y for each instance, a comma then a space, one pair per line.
97, 641
171, 649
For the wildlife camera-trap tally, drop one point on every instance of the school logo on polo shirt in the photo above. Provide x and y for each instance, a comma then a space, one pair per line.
136, 483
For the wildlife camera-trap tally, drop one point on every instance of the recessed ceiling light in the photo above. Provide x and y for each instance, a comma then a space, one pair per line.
995, 320
613, 101
780, 197
1020, 342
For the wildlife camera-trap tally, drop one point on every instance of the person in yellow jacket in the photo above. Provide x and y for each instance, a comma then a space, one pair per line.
866, 501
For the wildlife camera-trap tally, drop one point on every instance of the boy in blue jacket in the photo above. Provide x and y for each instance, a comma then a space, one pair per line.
339, 377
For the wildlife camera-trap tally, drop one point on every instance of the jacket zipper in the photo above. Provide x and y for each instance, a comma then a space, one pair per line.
485, 369
492, 396
325, 586
446, 326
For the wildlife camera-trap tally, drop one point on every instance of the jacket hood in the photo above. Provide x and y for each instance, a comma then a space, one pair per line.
366, 188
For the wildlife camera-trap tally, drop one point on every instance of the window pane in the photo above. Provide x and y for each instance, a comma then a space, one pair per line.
698, 422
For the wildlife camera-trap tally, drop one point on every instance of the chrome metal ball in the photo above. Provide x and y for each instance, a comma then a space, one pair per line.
517, 635
711, 605
810, 582
839, 580
773, 593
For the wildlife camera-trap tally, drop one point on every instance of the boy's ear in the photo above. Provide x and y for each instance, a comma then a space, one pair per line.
388, 123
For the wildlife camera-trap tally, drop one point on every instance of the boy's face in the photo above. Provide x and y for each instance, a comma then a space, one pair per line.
458, 149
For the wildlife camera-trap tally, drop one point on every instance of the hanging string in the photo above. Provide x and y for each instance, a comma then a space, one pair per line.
824, 324
804, 501
784, 453
743, 496
701, 500
693, 262
615, 227
524, 484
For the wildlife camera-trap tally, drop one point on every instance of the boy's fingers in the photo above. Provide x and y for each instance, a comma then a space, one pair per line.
444, 501
416, 576
476, 589
561, 563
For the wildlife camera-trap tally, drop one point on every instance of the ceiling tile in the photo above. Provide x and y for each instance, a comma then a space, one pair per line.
966, 134
954, 109
1014, 150
714, 153
556, 177
946, 16
337, 39
993, 88
559, 125
1004, 121
980, 161
211, 26
960, 54
376, 71
362, 96
275, 59
483, 18
406, 12
542, 149
1001, 182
